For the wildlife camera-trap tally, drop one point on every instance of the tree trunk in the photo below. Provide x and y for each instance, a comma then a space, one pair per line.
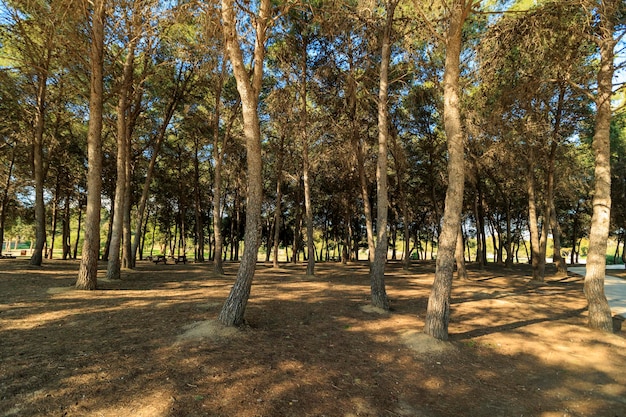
107, 242
38, 166
128, 258
279, 197
88, 272
55, 216
306, 166
114, 262
218, 266
438, 312
198, 249
599, 310
377, 267
557, 259
360, 163
181, 85
459, 254
66, 228
78, 227
232, 312
297, 228
537, 260
5, 198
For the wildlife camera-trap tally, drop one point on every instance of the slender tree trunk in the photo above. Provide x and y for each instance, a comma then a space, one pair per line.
377, 267
5, 198
459, 254
438, 311
557, 259
232, 312
128, 258
297, 229
66, 228
114, 262
599, 309
55, 216
306, 166
38, 167
78, 227
198, 249
537, 260
218, 267
480, 231
279, 197
360, 163
508, 244
88, 272
182, 83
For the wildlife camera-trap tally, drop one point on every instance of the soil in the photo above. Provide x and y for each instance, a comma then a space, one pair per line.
149, 345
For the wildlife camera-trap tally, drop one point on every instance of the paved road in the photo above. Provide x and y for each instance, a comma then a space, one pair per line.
614, 288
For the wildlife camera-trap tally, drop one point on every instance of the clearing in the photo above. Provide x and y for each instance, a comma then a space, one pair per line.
148, 345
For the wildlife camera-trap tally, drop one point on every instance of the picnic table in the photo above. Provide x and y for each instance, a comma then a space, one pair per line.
162, 258
159, 258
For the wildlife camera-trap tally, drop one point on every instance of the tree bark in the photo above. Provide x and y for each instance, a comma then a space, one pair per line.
87, 274
557, 259
306, 166
232, 312
66, 227
218, 266
599, 309
114, 262
38, 167
55, 216
377, 267
78, 227
438, 311
538, 260
459, 254
179, 91
360, 163
5, 197
279, 197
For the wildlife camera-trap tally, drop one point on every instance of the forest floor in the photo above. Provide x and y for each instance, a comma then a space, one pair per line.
148, 345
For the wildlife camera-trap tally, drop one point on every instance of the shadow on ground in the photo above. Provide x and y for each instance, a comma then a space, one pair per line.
308, 347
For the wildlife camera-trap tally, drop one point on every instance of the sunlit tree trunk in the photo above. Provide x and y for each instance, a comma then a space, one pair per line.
38, 167
114, 264
599, 309
180, 89
377, 267
438, 311
87, 274
66, 227
279, 197
78, 227
249, 87
55, 216
5, 197
557, 259
360, 160
459, 254
306, 165
538, 259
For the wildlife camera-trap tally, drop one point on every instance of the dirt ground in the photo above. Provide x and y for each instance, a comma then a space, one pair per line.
148, 345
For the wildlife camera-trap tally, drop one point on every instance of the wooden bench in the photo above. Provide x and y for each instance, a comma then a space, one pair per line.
8, 255
181, 258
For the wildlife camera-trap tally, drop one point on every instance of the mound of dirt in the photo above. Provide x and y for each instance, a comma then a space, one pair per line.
423, 344
208, 329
